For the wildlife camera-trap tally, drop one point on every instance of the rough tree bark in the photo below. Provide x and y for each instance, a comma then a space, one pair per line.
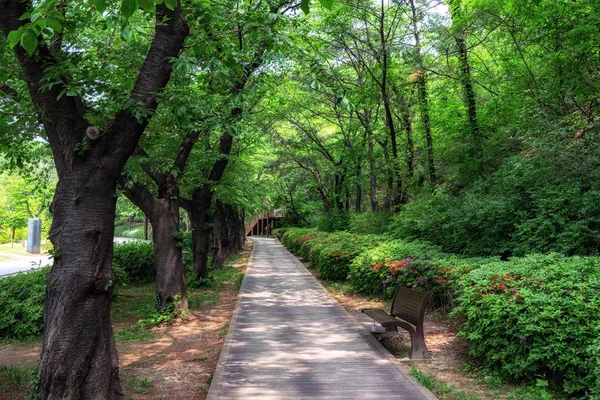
228, 233
79, 358
410, 144
365, 120
163, 212
199, 206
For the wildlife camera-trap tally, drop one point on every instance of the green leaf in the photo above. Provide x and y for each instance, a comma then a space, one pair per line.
100, 5
327, 3
127, 33
147, 5
42, 23
25, 16
54, 25
305, 6
128, 7
14, 37
171, 4
29, 41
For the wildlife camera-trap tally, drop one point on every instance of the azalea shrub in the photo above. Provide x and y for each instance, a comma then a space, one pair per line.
295, 238
330, 253
334, 254
536, 318
416, 265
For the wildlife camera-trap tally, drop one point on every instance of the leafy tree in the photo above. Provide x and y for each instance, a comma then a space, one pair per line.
55, 46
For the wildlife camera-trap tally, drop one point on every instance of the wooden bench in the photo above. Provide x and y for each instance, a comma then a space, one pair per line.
408, 312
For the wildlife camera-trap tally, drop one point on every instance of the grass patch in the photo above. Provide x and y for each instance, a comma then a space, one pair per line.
140, 386
498, 388
442, 390
224, 329
133, 332
136, 303
217, 278
226, 274
199, 300
135, 232
16, 378
7, 252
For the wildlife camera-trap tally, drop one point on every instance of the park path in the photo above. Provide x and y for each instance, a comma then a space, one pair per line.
289, 339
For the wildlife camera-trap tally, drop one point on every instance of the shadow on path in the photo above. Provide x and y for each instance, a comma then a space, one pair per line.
289, 339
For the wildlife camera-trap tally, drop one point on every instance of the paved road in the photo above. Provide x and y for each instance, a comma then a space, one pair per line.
289, 339
26, 263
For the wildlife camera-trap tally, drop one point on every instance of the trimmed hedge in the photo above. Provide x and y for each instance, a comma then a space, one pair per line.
134, 262
22, 299
330, 253
529, 318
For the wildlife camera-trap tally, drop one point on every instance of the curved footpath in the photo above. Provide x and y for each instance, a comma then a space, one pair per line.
289, 339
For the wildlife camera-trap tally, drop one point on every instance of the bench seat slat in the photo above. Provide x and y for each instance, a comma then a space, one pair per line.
381, 317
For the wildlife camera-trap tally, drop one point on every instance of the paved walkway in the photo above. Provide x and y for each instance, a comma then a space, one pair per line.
289, 339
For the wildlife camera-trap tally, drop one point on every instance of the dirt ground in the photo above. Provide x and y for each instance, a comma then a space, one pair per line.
177, 363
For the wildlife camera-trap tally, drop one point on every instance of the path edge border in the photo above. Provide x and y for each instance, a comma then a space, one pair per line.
218, 378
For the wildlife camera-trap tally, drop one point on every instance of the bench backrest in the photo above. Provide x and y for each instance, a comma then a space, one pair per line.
410, 305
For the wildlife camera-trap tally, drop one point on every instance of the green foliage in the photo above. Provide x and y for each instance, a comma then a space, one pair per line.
541, 203
133, 262
22, 303
332, 221
440, 389
536, 317
369, 222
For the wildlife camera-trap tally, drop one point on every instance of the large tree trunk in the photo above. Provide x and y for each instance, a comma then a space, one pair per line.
79, 358
372, 171
164, 216
424, 100
410, 146
228, 233
170, 271
198, 209
389, 118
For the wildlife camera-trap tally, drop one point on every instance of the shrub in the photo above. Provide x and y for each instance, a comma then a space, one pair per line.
370, 223
279, 232
22, 303
133, 262
333, 221
379, 270
330, 253
536, 316
334, 253
294, 238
